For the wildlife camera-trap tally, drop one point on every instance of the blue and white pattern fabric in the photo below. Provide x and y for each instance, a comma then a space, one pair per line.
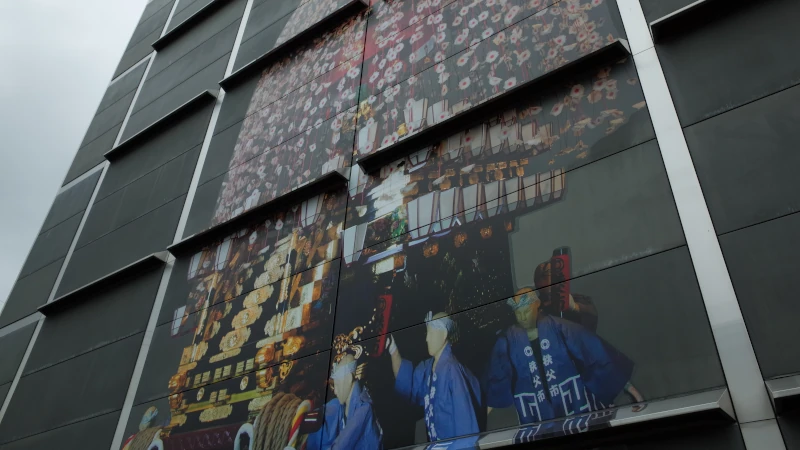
581, 372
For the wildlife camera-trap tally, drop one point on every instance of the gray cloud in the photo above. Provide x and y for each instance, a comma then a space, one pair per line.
56, 60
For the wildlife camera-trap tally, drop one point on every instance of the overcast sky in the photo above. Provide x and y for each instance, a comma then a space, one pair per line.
56, 60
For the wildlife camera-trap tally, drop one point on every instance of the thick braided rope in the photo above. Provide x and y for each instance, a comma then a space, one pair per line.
143, 439
275, 422
265, 418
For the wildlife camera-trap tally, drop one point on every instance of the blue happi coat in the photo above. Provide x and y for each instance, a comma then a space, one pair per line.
451, 395
582, 373
359, 429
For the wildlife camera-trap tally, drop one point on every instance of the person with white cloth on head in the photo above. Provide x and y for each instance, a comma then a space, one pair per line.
448, 391
350, 422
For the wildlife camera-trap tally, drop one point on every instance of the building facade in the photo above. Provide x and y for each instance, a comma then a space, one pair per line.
336, 224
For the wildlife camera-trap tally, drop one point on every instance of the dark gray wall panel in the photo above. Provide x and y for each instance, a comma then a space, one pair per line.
140, 44
29, 293
159, 83
104, 128
122, 86
636, 216
762, 261
108, 118
236, 104
91, 154
102, 319
203, 204
656, 9
193, 38
137, 52
186, 9
148, 26
92, 434
267, 13
148, 234
97, 320
708, 75
746, 161
12, 347
701, 438
220, 151
181, 136
51, 245
147, 193
208, 78
71, 201
153, 7
261, 43
163, 360
186, 3
684, 363
81, 388
790, 427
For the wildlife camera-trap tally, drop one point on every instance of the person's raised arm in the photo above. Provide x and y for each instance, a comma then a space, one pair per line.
394, 353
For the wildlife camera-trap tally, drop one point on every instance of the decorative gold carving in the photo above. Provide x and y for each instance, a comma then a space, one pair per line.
200, 351
175, 400
264, 378
246, 317
225, 355
177, 420
265, 355
258, 296
293, 345
177, 381
430, 249
216, 413
234, 339
257, 404
285, 369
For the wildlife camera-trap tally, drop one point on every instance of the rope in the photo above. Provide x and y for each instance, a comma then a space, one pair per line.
275, 421
143, 439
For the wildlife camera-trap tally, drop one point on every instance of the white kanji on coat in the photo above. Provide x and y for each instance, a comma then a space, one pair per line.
551, 375
532, 366
536, 381
547, 360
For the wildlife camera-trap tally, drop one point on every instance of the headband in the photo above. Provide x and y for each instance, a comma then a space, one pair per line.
340, 370
522, 300
442, 323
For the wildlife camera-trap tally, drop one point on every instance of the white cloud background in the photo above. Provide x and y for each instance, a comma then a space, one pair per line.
56, 60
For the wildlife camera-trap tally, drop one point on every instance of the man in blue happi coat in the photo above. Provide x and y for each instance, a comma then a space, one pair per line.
349, 419
448, 392
549, 368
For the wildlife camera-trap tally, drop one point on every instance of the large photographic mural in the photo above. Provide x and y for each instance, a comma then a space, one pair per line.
398, 310
464, 55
